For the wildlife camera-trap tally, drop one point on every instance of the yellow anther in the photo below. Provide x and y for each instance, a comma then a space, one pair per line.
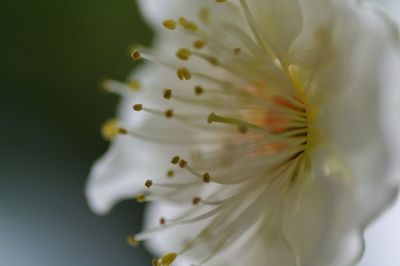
132, 241
167, 93
170, 173
182, 163
169, 24
212, 60
169, 113
122, 131
175, 160
141, 198
183, 54
198, 90
183, 73
206, 178
134, 85
109, 129
138, 107
187, 24
136, 55
199, 44
155, 262
204, 15
167, 259
196, 200
148, 183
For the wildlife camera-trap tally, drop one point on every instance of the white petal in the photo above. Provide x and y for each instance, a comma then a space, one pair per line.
280, 20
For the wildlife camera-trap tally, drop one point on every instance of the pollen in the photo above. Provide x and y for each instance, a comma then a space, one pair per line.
187, 24
206, 178
141, 198
198, 90
169, 113
196, 200
182, 163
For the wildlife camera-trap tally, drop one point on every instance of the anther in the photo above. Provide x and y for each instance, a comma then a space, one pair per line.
134, 84
167, 259
182, 163
162, 220
136, 55
138, 107
183, 73
169, 113
167, 94
170, 173
109, 129
183, 54
199, 44
175, 160
187, 24
196, 200
206, 178
148, 183
169, 24
213, 60
122, 131
243, 129
220, 1
237, 51
198, 90
132, 241
141, 198
155, 262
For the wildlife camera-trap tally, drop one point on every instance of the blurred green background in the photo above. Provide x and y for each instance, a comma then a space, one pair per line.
53, 55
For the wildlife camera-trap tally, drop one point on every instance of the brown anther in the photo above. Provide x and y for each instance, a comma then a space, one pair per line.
155, 262
182, 163
169, 113
136, 55
162, 220
175, 160
170, 173
138, 107
237, 51
198, 90
243, 129
199, 44
148, 183
213, 60
167, 94
122, 131
206, 178
196, 200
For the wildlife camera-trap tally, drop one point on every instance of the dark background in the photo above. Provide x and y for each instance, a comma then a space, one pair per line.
53, 54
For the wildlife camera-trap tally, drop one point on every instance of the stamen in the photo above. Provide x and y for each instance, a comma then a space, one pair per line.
183, 73
167, 259
183, 54
167, 94
136, 55
138, 107
132, 241
169, 24
141, 198
175, 160
199, 44
149, 183
196, 200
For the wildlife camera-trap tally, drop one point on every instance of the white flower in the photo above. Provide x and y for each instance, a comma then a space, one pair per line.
277, 138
